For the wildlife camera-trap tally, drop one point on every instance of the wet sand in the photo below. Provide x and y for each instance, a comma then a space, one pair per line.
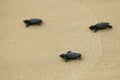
33, 53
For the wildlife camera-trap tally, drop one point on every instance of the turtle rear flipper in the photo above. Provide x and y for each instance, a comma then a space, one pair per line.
39, 23
110, 26
79, 57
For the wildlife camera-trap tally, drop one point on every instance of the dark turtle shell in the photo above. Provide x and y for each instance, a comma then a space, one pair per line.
102, 25
73, 55
33, 21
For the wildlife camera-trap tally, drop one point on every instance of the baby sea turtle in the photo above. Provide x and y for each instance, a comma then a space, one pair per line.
100, 26
70, 55
32, 21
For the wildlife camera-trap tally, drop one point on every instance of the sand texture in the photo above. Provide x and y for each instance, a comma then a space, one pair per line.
33, 53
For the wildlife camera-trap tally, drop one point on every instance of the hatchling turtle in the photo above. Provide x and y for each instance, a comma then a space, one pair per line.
70, 55
32, 21
100, 26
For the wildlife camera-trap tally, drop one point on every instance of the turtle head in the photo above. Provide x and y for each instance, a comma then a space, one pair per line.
26, 21
62, 55
91, 27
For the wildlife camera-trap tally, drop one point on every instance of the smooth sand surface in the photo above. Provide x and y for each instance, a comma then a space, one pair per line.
33, 53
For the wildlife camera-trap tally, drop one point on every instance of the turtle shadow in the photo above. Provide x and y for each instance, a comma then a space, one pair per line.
77, 59
101, 30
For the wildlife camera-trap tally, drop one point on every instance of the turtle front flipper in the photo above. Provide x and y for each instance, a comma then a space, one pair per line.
66, 60
27, 24
95, 29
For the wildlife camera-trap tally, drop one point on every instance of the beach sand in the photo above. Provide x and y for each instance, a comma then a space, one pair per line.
33, 53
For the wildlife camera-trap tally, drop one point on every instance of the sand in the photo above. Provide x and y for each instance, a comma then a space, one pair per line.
33, 53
